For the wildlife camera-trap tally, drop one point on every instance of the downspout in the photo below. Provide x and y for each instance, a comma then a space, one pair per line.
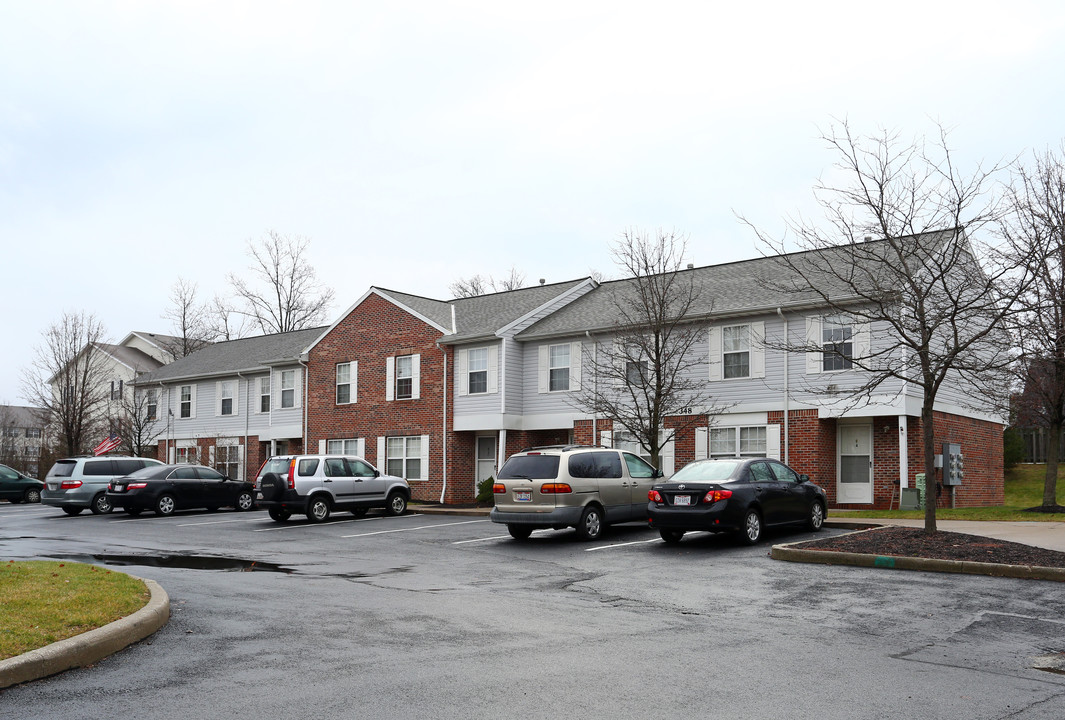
595, 385
247, 419
443, 481
787, 393
306, 387
166, 451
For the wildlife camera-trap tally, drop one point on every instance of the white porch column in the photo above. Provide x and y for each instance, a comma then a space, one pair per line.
904, 453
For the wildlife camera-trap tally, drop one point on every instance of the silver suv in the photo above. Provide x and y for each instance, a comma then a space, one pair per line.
74, 484
571, 486
316, 485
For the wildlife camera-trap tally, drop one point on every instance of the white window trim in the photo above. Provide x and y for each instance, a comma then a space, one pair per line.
390, 377
259, 394
297, 386
360, 446
353, 382
462, 371
423, 455
218, 398
192, 402
860, 345
772, 440
544, 379
756, 351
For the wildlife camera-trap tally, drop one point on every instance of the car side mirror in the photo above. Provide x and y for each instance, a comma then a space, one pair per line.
657, 473
804, 478
377, 473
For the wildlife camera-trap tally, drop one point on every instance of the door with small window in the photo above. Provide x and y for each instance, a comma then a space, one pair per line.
486, 459
855, 464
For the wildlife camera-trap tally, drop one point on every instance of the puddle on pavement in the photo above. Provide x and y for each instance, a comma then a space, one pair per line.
183, 562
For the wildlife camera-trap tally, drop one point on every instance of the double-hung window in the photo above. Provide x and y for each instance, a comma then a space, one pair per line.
346, 380
185, 403
348, 446
227, 460
404, 377
288, 388
636, 373
738, 442
151, 404
837, 342
226, 395
559, 367
736, 351
264, 394
405, 457
478, 370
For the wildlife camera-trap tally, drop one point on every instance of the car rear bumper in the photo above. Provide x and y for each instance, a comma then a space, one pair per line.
713, 518
123, 501
79, 497
289, 501
559, 517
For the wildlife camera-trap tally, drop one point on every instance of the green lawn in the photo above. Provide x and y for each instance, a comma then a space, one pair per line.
42, 602
1024, 489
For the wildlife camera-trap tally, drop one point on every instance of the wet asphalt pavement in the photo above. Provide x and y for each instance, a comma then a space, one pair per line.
448, 617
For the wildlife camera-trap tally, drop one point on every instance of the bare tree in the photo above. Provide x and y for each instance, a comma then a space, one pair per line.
137, 420
1035, 231
644, 370
282, 293
479, 285
68, 380
189, 318
936, 306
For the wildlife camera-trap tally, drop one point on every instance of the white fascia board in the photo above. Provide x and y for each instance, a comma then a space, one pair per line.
487, 421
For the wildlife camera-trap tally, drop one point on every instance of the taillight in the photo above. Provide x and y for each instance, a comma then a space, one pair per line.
69, 484
555, 488
292, 474
137, 486
498, 488
654, 496
716, 495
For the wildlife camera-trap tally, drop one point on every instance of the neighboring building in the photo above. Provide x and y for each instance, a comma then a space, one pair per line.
231, 405
23, 438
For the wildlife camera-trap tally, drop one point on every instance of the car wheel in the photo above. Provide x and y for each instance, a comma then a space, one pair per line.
279, 514
72, 510
318, 509
32, 495
752, 527
359, 511
591, 525
671, 536
519, 532
245, 501
134, 511
817, 516
397, 504
165, 505
100, 505
272, 486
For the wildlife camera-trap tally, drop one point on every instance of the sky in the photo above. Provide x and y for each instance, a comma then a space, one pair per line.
418, 142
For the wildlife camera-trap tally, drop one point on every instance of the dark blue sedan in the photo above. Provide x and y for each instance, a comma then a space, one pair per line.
735, 495
168, 488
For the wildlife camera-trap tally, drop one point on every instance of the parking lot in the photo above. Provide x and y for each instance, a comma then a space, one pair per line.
447, 616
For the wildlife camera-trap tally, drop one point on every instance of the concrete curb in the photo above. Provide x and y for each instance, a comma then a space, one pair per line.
790, 553
89, 647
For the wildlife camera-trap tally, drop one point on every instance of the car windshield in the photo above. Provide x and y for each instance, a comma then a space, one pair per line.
530, 467
707, 471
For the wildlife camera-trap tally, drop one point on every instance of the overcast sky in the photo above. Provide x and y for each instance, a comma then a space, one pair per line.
418, 142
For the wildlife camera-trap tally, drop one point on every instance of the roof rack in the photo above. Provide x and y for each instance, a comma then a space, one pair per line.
564, 448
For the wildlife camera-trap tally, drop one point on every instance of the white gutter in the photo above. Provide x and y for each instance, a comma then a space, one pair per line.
247, 419
787, 391
306, 387
443, 482
595, 386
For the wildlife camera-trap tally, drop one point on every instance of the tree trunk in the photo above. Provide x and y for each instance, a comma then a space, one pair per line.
928, 438
1050, 484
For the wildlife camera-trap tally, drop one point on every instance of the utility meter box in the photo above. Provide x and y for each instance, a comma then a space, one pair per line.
953, 464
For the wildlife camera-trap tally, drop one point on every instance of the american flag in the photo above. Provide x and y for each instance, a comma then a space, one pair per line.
109, 444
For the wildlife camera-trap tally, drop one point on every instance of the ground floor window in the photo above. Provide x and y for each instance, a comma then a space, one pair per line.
186, 454
404, 457
227, 460
738, 442
350, 446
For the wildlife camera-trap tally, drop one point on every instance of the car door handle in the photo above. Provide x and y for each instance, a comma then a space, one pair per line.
327, 480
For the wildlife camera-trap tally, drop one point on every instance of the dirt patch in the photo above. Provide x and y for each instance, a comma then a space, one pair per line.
915, 542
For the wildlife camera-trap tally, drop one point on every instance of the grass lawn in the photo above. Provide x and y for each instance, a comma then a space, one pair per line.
1024, 489
42, 602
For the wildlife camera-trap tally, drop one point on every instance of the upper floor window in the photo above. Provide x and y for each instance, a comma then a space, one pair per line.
288, 388
264, 394
736, 351
478, 370
346, 383
559, 368
33, 432
151, 404
636, 372
186, 396
226, 397
837, 341
116, 389
404, 377
11, 432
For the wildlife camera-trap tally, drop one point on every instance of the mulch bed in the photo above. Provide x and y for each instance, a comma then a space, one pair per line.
915, 542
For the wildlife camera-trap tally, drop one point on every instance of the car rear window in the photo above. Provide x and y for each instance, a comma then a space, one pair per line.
309, 466
277, 465
706, 471
125, 467
150, 471
595, 465
98, 467
530, 467
62, 468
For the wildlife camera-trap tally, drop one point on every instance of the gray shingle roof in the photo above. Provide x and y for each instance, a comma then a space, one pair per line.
22, 416
244, 355
483, 315
139, 360
438, 311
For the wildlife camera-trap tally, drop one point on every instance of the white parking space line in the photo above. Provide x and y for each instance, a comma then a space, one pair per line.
420, 527
619, 545
494, 537
220, 522
333, 522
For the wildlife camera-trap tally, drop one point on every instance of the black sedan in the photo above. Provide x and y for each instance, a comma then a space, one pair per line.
735, 495
167, 488
19, 487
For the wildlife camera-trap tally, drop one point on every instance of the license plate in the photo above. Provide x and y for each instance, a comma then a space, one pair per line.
53, 486
119, 488
523, 495
682, 500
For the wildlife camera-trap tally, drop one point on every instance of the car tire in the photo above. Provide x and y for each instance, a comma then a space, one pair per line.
272, 486
32, 495
519, 532
671, 536
591, 525
245, 501
279, 514
134, 511
101, 505
359, 511
165, 505
751, 531
72, 510
318, 509
396, 503
816, 520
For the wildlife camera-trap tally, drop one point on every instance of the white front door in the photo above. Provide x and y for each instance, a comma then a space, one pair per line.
486, 459
855, 464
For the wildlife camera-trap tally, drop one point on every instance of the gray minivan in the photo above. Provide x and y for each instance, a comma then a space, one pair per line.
74, 484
